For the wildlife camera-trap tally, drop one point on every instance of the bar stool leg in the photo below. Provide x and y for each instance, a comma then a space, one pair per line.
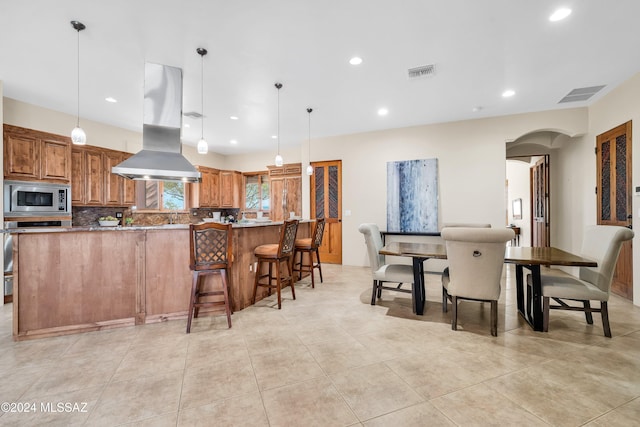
319, 264
194, 292
293, 289
223, 276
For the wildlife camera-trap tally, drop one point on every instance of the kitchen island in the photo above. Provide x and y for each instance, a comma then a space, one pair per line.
78, 279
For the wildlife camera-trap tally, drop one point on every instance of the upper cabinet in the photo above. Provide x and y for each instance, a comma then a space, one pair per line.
218, 189
31, 155
286, 190
230, 189
93, 184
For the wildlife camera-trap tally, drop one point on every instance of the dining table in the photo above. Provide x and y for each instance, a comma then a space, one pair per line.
531, 258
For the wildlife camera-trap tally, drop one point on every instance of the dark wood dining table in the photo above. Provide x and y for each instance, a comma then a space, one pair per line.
530, 258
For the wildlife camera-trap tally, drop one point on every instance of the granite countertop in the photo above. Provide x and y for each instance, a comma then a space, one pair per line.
248, 224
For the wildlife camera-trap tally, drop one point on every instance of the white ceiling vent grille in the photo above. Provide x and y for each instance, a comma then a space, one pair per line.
581, 94
423, 71
193, 115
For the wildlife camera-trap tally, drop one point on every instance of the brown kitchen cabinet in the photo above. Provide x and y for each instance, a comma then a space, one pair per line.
230, 189
93, 184
286, 190
206, 194
31, 155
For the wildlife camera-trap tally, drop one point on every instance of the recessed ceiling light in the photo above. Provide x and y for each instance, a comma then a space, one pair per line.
187, 125
233, 142
508, 93
476, 109
560, 14
274, 136
110, 99
383, 112
356, 60
233, 117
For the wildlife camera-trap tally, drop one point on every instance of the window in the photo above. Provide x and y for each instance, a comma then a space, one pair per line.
256, 191
161, 196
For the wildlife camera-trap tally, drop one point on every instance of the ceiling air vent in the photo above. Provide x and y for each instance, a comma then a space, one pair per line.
193, 115
581, 94
425, 70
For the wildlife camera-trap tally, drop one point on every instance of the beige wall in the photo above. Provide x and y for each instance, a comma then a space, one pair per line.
619, 106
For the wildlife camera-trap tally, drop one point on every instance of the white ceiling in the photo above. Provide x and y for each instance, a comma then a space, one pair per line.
480, 48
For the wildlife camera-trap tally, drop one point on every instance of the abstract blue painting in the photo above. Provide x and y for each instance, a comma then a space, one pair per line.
412, 196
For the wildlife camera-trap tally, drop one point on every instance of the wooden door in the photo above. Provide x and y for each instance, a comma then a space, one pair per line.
113, 184
215, 188
128, 187
21, 157
326, 202
614, 190
276, 210
78, 180
94, 175
540, 218
293, 190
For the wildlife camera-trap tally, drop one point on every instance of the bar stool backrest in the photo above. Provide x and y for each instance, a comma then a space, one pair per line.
288, 238
211, 246
318, 231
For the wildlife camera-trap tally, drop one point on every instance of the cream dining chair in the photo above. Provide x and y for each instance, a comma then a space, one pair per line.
476, 259
601, 243
381, 272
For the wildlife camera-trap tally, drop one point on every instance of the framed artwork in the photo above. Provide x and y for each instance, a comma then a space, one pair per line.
412, 196
517, 208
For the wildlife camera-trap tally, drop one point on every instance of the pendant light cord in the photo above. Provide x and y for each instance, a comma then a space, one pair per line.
78, 109
278, 117
202, 95
309, 110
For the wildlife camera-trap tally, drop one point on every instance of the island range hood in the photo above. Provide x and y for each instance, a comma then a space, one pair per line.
161, 156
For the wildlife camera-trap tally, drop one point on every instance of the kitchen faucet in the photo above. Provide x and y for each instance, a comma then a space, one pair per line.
173, 217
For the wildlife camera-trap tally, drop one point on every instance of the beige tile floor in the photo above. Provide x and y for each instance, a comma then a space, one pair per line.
331, 359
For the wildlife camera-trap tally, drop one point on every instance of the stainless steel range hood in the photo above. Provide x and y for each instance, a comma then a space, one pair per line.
161, 156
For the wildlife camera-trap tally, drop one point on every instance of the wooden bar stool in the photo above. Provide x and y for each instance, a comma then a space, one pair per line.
211, 253
310, 246
274, 255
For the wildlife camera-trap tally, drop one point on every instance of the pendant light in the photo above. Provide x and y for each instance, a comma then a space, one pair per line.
309, 168
203, 147
78, 136
279, 159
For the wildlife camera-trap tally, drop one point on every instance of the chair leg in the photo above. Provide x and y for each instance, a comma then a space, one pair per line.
373, 292
494, 318
290, 268
454, 313
299, 264
604, 311
319, 265
194, 290
255, 283
278, 286
587, 312
313, 282
271, 278
545, 314
444, 300
225, 288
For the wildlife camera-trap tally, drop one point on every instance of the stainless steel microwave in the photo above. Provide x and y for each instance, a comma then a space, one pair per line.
24, 198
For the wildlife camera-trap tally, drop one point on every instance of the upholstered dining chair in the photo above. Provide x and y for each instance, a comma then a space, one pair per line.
210, 253
383, 273
476, 258
309, 246
601, 243
275, 254
438, 266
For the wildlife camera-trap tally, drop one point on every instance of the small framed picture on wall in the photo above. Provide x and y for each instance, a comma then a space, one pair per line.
517, 208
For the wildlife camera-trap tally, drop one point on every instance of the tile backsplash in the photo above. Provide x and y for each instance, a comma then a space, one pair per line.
86, 216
